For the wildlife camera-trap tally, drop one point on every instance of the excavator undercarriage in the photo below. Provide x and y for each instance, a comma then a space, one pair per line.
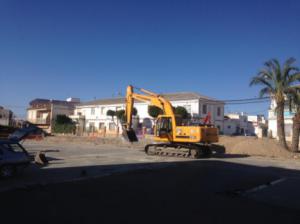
187, 150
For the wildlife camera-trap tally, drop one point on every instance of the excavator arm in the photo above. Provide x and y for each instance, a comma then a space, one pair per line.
147, 96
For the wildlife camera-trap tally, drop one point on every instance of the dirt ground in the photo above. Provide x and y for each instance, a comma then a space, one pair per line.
233, 144
255, 147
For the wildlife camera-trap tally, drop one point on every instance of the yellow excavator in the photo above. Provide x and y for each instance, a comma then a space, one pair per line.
170, 136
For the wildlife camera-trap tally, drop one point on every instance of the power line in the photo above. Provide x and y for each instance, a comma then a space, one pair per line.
249, 99
14, 106
238, 103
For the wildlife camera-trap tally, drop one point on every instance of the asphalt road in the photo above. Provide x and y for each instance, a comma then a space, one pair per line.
117, 188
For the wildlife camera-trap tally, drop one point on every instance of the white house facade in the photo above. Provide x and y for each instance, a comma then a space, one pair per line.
43, 112
93, 114
243, 124
288, 120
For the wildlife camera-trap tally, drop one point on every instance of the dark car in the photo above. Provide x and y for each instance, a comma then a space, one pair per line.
13, 158
27, 133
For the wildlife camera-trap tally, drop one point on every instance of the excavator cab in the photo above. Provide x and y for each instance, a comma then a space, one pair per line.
163, 128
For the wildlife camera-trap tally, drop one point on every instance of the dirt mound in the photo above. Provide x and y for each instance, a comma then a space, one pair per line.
254, 146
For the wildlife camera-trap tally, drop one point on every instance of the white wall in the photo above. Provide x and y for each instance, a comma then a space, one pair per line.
272, 124
237, 123
192, 106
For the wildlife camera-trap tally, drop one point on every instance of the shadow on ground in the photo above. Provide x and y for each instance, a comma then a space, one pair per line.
168, 192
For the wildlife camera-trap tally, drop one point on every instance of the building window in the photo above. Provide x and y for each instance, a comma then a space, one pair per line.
112, 126
204, 109
93, 111
101, 125
102, 110
219, 111
92, 127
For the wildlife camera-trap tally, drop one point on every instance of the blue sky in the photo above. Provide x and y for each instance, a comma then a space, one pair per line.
87, 49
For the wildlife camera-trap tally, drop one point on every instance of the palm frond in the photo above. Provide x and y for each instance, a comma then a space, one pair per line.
257, 80
277, 69
287, 67
293, 78
266, 73
271, 67
264, 91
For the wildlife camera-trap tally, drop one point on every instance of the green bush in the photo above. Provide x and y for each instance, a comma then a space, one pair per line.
182, 112
120, 114
111, 113
154, 111
63, 128
63, 124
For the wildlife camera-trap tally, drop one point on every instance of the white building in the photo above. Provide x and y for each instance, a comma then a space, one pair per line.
237, 123
42, 112
243, 124
259, 124
5, 116
94, 112
288, 120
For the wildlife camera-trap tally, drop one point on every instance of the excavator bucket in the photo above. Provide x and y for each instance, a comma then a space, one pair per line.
130, 135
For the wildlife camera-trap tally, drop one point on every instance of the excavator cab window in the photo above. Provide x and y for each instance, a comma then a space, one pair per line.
163, 126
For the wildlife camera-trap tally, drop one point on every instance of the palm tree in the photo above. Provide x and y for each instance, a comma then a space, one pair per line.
294, 104
276, 81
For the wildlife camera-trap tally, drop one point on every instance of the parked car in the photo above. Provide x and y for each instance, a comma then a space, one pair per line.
13, 158
5, 131
31, 132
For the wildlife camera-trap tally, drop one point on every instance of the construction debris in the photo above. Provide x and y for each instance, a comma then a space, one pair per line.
40, 159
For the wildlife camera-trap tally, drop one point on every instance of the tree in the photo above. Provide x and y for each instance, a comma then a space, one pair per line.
154, 111
63, 124
276, 81
134, 111
111, 113
120, 114
182, 112
294, 105
63, 119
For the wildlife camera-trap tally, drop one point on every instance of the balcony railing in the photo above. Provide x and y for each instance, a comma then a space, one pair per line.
39, 121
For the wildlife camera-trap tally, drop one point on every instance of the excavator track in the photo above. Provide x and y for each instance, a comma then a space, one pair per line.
186, 150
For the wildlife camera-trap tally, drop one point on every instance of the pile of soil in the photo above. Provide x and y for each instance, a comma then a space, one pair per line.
254, 146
